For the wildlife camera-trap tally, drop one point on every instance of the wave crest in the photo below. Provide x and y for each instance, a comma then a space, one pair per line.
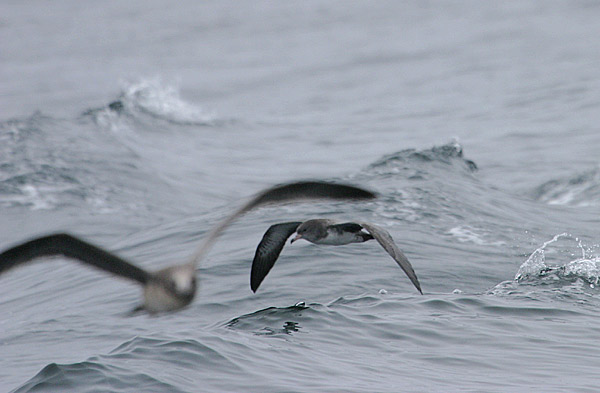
405, 160
263, 322
154, 98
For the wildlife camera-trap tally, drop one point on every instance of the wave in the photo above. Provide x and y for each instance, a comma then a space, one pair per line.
582, 189
32, 173
153, 98
267, 321
341, 314
92, 376
140, 364
415, 161
438, 182
47, 162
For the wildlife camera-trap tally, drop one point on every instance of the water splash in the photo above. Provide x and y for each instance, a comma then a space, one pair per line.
536, 262
586, 267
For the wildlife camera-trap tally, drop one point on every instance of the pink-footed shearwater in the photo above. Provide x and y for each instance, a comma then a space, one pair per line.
322, 231
173, 287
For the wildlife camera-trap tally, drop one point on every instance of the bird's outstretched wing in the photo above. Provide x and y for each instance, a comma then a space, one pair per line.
301, 190
386, 241
268, 251
71, 247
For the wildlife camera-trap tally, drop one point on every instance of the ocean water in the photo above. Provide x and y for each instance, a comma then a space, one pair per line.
139, 125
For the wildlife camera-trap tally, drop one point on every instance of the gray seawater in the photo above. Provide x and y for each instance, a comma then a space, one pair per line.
139, 125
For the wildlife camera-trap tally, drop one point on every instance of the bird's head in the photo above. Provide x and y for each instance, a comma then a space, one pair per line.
182, 282
311, 230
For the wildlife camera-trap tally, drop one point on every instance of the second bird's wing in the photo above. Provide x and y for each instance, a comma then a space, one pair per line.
71, 247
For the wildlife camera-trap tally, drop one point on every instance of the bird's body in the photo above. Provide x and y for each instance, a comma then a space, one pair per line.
175, 286
170, 288
334, 234
325, 232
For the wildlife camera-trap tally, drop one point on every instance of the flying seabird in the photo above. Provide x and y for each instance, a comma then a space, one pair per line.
173, 287
322, 231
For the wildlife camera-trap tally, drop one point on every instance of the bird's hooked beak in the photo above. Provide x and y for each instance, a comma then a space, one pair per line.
298, 237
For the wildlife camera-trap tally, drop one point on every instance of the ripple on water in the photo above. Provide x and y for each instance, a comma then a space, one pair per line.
140, 364
92, 376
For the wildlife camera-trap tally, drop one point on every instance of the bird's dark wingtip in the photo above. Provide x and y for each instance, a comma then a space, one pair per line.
417, 285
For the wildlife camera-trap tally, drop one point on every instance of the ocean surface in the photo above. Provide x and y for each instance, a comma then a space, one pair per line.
140, 125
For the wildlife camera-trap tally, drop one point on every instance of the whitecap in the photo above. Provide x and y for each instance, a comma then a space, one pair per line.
469, 235
154, 97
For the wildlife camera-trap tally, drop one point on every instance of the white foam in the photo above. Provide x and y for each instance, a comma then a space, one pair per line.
468, 235
162, 100
37, 200
588, 269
